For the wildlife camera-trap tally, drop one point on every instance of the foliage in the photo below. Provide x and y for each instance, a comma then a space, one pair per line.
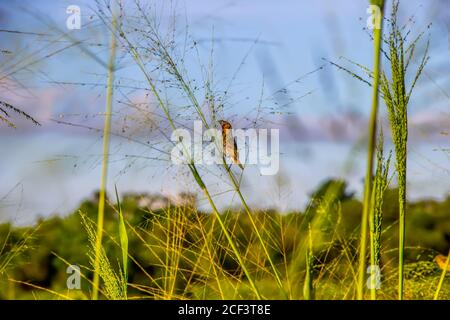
180, 252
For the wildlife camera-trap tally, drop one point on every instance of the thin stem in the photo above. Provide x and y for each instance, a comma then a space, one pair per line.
401, 241
104, 172
373, 290
370, 157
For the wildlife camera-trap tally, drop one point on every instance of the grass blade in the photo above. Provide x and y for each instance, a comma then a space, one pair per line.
123, 241
105, 160
370, 152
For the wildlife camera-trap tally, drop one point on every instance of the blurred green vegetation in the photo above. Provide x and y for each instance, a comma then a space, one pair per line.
55, 242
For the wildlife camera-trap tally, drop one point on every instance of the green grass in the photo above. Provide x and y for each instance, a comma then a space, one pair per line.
377, 36
123, 237
105, 159
397, 97
164, 106
308, 286
380, 185
181, 252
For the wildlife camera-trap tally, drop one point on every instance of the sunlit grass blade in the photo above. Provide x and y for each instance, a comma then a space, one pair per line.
113, 282
380, 184
105, 159
308, 288
377, 36
397, 97
123, 241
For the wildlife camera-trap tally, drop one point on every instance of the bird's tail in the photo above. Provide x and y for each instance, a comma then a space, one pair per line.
441, 261
236, 161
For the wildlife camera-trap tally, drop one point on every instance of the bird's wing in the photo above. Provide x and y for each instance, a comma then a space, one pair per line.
224, 141
236, 155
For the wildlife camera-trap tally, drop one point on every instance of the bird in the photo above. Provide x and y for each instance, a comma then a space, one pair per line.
229, 143
441, 260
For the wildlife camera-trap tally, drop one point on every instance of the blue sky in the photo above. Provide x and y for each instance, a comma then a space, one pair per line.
51, 168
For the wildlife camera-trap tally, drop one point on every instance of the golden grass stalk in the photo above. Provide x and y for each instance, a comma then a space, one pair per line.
105, 160
123, 242
113, 282
308, 289
17, 249
255, 228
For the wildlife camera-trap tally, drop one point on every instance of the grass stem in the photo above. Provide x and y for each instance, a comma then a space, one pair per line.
370, 154
105, 160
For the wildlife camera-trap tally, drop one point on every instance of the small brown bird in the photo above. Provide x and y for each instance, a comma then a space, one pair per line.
441, 260
229, 143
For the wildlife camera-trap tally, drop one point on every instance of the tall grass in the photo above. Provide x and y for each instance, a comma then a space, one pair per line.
180, 252
221, 256
237, 189
380, 184
123, 242
10, 251
396, 97
186, 87
161, 53
320, 231
377, 36
114, 283
191, 165
16, 249
105, 159
308, 287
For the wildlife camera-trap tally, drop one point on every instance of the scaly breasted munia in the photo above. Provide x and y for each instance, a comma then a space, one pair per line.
229, 143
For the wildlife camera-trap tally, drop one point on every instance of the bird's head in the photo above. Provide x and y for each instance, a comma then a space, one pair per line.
224, 124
